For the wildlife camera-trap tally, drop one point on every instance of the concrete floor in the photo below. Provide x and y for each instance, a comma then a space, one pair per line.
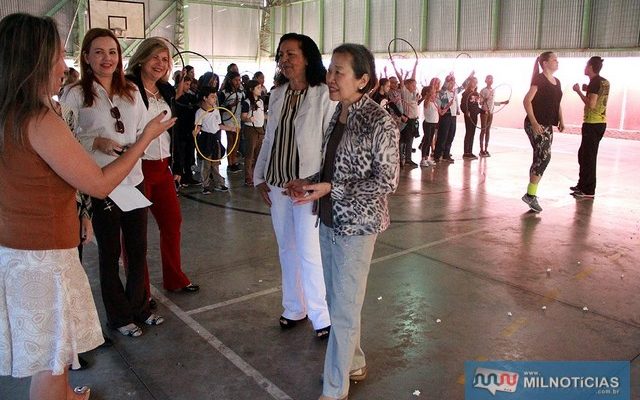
462, 248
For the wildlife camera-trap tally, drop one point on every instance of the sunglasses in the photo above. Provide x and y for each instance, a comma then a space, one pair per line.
115, 113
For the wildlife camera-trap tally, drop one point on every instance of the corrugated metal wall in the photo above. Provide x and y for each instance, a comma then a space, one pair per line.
294, 18
615, 23
211, 27
441, 26
354, 26
408, 24
561, 24
481, 25
518, 24
475, 23
311, 16
449, 25
333, 25
381, 25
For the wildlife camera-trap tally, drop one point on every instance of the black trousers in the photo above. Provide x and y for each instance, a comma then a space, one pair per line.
406, 139
588, 155
470, 125
429, 129
445, 135
124, 304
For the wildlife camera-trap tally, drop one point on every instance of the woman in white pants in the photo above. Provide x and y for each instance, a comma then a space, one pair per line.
299, 112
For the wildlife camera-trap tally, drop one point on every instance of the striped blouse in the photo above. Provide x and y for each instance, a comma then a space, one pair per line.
284, 164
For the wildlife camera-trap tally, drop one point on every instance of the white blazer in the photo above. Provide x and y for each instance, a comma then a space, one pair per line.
312, 120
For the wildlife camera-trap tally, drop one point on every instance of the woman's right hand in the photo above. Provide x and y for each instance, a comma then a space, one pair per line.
107, 146
264, 190
537, 128
156, 126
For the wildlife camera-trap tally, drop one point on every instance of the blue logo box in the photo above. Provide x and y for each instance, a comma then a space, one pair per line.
547, 380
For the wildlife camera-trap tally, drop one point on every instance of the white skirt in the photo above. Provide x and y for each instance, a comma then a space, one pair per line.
47, 312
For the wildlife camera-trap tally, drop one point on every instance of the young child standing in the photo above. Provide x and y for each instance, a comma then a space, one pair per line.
208, 126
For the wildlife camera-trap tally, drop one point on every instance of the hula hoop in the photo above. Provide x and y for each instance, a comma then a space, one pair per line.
394, 55
229, 150
194, 53
456, 63
502, 106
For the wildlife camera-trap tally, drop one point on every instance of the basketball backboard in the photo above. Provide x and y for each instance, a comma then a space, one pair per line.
124, 18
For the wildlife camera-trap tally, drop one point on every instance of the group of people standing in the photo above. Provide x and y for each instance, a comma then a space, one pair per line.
330, 158
441, 106
109, 138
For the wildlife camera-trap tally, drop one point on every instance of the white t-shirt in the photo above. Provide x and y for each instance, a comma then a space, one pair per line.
257, 114
160, 147
431, 112
409, 103
486, 99
96, 121
208, 121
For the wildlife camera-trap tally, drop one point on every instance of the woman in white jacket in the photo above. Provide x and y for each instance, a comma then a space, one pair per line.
299, 113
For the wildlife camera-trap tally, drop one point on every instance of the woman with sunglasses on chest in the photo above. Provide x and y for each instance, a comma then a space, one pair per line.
110, 115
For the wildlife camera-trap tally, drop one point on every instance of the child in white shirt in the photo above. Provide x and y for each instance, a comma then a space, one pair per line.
208, 126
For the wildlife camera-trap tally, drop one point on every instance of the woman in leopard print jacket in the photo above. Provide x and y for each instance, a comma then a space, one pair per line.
360, 169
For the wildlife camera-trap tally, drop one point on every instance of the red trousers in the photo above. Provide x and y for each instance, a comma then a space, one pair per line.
161, 191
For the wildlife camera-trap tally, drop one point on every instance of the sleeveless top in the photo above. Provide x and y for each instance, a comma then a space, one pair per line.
37, 208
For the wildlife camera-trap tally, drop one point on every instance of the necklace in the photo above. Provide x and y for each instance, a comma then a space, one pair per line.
154, 94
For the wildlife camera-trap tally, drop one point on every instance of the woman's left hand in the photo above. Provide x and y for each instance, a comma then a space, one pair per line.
561, 126
86, 229
313, 192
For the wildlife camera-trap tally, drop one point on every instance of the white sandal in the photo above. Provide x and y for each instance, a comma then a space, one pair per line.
85, 390
154, 319
130, 330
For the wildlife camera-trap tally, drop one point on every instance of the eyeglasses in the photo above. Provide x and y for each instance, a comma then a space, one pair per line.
115, 113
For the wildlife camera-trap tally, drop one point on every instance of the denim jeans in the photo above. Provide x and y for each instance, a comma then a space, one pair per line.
346, 261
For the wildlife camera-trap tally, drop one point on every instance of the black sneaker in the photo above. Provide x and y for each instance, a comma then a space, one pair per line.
235, 168
448, 159
532, 202
206, 191
191, 181
575, 188
579, 194
221, 188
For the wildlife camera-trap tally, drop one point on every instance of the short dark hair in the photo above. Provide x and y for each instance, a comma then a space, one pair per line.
205, 91
596, 63
362, 62
315, 72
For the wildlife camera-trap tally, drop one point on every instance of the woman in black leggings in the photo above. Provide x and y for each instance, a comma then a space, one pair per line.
542, 104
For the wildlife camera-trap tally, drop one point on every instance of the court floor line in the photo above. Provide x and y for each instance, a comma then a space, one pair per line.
234, 301
221, 348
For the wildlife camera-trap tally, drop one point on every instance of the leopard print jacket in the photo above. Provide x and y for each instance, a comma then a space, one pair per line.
366, 169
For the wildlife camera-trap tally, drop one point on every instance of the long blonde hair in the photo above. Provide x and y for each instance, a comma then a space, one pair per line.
29, 47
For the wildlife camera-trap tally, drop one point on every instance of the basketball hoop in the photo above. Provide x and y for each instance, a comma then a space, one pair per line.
119, 32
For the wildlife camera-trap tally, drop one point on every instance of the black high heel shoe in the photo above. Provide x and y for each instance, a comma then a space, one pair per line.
286, 323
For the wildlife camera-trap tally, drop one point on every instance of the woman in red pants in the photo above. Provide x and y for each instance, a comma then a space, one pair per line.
149, 69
